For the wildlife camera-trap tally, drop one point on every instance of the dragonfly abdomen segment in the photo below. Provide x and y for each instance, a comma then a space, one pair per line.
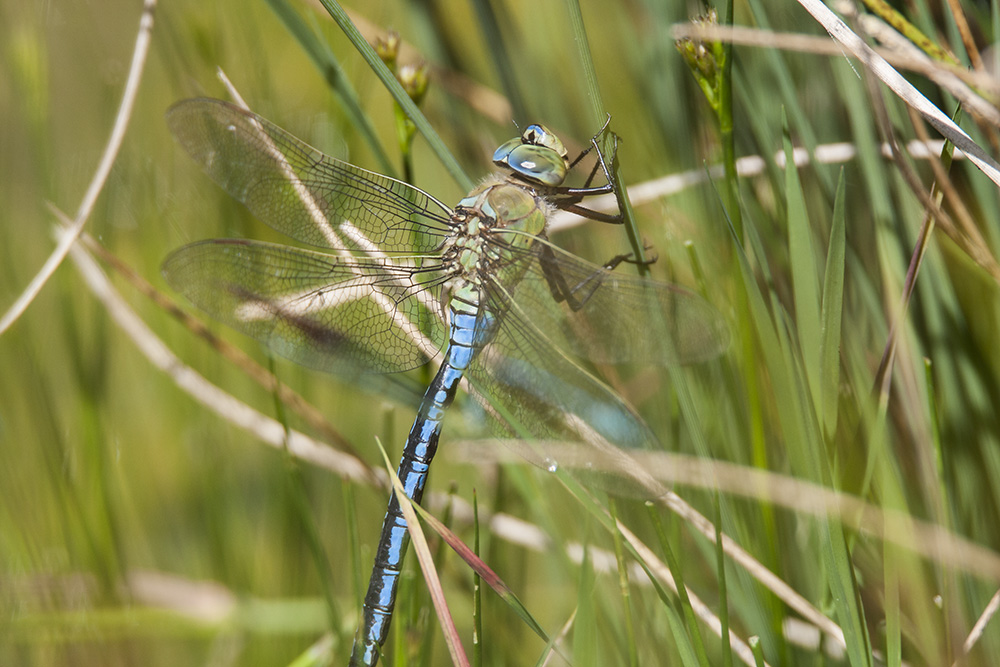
421, 445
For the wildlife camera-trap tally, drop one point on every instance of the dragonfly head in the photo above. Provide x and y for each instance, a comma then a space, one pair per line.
536, 156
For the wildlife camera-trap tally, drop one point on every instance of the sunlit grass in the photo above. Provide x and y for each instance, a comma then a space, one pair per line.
138, 525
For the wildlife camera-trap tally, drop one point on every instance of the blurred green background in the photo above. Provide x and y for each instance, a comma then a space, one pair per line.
138, 527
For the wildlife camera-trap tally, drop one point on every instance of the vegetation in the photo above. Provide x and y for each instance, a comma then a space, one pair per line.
846, 445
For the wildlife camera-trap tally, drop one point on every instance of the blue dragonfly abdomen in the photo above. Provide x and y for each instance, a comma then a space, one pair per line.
421, 445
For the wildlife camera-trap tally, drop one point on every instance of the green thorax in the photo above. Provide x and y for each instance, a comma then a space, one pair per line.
494, 227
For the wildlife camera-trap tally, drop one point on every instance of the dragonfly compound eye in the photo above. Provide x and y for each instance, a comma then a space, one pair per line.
535, 163
538, 164
539, 135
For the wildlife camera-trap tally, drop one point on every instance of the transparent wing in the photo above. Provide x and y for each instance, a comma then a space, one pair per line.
609, 316
528, 371
330, 313
538, 391
541, 400
301, 192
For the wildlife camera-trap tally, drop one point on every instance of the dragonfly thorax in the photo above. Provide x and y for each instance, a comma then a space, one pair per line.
490, 226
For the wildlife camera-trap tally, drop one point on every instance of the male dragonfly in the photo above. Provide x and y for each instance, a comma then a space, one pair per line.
405, 277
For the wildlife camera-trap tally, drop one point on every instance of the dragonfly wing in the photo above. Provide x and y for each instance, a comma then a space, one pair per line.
541, 400
528, 378
611, 317
538, 388
301, 192
329, 313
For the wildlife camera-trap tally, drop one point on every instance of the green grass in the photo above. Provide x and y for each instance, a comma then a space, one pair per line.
140, 527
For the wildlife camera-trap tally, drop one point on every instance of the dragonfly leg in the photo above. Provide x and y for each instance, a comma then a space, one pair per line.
593, 144
629, 258
576, 296
583, 211
602, 163
571, 197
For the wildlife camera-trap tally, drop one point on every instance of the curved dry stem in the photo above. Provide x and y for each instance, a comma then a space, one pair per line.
748, 165
898, 52
902, 88
100, 176
229, 408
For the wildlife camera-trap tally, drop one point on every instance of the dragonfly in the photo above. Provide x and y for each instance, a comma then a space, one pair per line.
402, 278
